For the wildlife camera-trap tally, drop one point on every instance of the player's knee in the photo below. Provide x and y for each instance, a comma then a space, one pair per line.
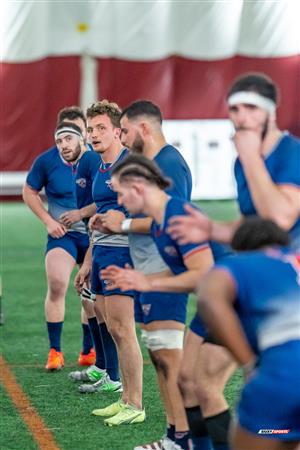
56, 288
185, 381
119, 331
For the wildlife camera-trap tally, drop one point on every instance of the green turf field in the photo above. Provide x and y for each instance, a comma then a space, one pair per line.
24, 345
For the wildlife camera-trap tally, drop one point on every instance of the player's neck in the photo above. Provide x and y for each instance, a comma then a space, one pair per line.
153, 146
111, 154
156, 205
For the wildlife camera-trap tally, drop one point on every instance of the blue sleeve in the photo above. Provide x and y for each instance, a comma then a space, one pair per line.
288, 167
36, 177
177, 209
232, 265
175, 168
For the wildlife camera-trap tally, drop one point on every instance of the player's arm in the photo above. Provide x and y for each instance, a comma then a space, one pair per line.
117, 222
83, 275
194, 226
197, 265
216, 295
278, 203
33, 200
75, 215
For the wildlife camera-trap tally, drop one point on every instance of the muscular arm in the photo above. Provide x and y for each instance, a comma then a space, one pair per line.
278, 203
216, 294
32, 199
75, 215
113, 219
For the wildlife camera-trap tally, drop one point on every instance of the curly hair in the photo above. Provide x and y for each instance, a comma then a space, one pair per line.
112, 110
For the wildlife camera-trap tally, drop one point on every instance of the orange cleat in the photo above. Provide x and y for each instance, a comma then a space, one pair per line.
55, 360
87, 360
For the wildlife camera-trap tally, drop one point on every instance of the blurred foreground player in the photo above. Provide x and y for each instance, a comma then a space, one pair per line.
251, 303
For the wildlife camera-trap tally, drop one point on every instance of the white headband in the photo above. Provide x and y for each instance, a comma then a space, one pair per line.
252, 98
67, 130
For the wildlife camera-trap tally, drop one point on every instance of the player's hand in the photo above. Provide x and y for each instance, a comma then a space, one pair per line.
82, 278
125, 279
112, 220
191, 228
56, 229
95, 223
86, 294
70, 217
248, 143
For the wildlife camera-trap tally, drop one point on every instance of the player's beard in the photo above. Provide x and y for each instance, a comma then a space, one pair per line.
74, 156
138, 144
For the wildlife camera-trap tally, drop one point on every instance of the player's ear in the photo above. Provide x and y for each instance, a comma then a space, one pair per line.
117, 133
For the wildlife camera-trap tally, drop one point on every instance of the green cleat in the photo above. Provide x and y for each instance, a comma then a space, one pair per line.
104, 385
127, 416
110, 410
92, 374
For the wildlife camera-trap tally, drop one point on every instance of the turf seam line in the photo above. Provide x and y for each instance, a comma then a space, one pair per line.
39, 430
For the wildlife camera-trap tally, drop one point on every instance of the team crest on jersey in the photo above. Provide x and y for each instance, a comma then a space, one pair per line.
146, 309
81, 182
170, 250
108, 183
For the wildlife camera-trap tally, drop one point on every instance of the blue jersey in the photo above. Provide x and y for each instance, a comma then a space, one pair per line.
267, 295
103, 195
143, 251
85, 171
171, 251
283, 165
173, 165
106, 199
57, 176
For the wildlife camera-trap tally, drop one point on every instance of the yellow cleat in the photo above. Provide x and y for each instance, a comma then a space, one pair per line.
127, 416
110, 410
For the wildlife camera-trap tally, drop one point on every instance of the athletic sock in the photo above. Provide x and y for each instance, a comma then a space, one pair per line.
54, 334
97, 342
111, 354
171, 432
87, 342
198, 429
218, 427
183, 439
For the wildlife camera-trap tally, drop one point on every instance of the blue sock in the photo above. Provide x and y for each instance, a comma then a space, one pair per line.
54, 333
110, 351
183, 439
87, 342
97, 342
171, 431
198, 430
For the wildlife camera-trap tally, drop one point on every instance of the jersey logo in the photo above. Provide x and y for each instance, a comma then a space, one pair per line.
81, 182
108, 184
146, 309
170, 250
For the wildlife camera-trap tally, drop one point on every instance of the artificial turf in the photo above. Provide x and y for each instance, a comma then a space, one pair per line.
24, 346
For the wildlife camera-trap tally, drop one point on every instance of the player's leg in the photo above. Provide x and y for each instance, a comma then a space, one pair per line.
214, 367
186, 381
59, 265
121, 325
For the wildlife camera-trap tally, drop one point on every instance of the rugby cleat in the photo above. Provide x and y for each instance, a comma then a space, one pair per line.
92, 373
110, 410
55, 360
163, 444
87, 360
104, 385
127, 416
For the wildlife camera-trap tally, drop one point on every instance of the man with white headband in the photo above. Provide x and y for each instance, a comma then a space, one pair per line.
56, 171
267, 170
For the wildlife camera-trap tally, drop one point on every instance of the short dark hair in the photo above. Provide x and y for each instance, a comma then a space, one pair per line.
71, 113
142, 108
111, 109
137, 166
68, 125
255, 82
256, 233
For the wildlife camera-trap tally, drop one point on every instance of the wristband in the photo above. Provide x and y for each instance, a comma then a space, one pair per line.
125, 225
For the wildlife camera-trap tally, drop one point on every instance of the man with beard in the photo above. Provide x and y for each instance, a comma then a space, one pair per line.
162, 315
55, 170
